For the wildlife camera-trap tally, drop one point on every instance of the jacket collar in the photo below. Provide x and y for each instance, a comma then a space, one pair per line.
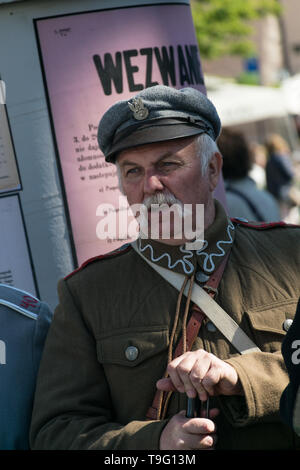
218, 239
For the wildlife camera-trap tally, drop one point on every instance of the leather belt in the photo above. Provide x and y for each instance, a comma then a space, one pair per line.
192, 330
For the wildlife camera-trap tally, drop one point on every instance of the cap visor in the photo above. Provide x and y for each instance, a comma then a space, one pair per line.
151, 134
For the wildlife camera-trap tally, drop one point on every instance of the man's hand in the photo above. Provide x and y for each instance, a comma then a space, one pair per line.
183, 433
201, 373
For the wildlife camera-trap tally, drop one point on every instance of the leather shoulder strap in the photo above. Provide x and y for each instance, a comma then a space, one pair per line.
228, 327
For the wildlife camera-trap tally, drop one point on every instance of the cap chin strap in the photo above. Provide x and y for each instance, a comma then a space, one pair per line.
225, 324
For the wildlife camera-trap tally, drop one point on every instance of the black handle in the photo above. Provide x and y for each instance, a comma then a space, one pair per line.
194, 407
191, 407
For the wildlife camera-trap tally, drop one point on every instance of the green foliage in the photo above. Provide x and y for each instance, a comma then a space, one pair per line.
248, 78
223, 27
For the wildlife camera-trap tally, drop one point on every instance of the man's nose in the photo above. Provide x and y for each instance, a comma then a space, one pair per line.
152, 183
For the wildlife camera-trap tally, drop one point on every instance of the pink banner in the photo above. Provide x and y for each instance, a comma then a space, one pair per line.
91, 60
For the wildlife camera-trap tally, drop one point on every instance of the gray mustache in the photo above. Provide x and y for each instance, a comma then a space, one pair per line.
161, 198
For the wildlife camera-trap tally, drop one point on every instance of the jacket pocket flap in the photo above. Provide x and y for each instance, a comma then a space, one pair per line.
131, 346
272, 318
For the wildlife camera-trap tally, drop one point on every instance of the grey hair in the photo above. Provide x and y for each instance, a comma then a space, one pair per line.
119, 178
206, 147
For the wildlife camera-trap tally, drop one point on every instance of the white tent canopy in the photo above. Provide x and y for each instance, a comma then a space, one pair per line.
239, 104
291, 91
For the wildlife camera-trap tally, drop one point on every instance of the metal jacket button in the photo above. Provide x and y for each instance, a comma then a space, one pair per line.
287, 323
201, 277
131, 353
211, 327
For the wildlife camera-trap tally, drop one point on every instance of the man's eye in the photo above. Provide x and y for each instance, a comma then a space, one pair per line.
132, 171
167, 164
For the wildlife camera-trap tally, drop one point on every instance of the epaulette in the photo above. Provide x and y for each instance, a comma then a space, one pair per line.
261, 225
20, 301
122, 249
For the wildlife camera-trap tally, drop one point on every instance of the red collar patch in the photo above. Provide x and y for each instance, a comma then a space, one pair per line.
261, 225
118, 251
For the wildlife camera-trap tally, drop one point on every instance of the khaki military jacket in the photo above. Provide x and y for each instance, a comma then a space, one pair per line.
92, 394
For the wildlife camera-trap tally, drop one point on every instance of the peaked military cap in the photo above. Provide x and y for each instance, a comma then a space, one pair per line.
156, 114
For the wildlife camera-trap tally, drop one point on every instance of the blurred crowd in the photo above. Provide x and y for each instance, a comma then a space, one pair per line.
262, 180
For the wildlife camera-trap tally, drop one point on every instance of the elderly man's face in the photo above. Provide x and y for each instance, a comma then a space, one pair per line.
169, 167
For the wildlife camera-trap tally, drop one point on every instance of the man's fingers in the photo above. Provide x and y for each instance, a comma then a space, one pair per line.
166, 385
201, 442
197, 374
201, 373
201, 433
199, 426
173, 382
182, 433
211, 379
186, 374
173, 371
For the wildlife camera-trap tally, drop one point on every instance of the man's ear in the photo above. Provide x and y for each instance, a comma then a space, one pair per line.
214, 170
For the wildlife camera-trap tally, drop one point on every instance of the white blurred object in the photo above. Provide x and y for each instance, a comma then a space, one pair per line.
291, 90
290, 215
2, 92
258, 174
237, 104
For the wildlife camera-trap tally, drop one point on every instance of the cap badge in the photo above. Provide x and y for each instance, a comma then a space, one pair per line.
138, 108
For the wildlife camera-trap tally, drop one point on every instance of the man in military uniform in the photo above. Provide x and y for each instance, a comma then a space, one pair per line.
122, 355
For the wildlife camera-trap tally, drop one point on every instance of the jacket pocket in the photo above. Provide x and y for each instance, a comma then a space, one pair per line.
269, 324
131, 346
130, 379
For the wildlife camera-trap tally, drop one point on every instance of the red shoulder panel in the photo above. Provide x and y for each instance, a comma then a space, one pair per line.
261, 225
122, 249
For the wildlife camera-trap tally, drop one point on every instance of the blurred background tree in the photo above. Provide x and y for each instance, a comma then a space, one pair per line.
223, 27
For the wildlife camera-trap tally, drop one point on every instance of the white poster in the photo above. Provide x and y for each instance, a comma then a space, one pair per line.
9, 175
15, 262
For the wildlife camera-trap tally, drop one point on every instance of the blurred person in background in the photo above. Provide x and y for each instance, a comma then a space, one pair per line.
244, 199
297, 123
280, 176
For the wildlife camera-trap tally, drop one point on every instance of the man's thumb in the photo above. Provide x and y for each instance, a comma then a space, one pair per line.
165, 384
